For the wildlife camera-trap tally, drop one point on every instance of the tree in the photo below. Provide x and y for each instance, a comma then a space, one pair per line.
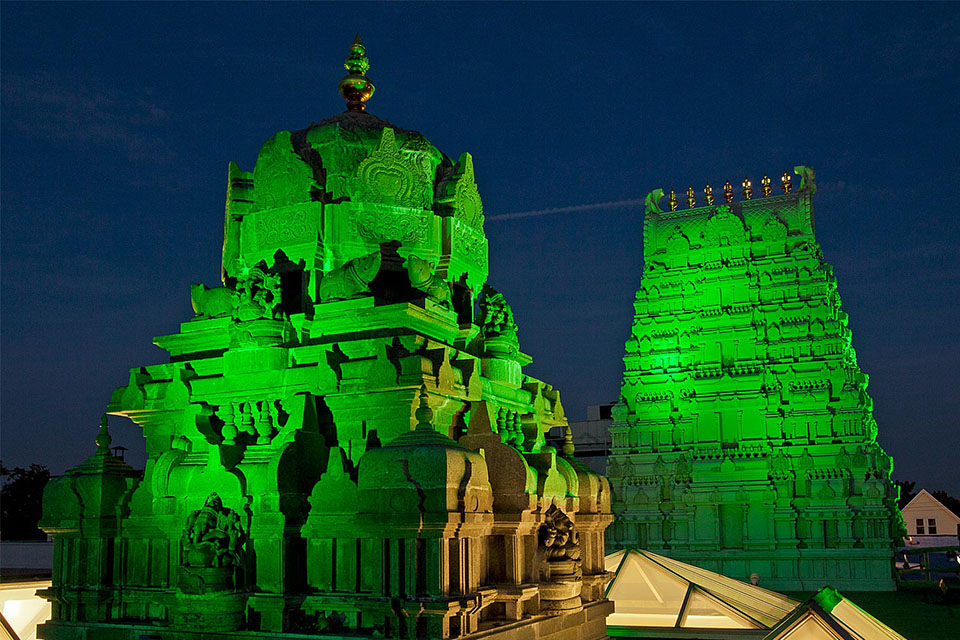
947, 500
21, 502
907, 492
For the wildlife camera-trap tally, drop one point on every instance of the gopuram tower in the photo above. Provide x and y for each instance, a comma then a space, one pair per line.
744, 441
340, 443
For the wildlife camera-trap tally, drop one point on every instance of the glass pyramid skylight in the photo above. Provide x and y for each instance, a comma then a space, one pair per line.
830, 616
653, 591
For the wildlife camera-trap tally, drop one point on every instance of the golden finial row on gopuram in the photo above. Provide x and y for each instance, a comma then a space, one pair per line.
786, 183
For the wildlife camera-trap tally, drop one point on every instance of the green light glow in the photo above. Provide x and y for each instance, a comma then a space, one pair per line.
744, 440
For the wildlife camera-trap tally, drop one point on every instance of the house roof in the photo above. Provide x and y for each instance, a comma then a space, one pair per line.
927, 495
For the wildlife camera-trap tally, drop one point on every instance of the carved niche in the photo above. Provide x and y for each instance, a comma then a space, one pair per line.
561, 575
387, 177
213, 548
724, 228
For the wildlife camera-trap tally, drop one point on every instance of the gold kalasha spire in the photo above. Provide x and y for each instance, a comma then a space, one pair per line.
691, 198
786, 182
708, 194
765, 185
673, 200
727, 191
355, 87
747, 188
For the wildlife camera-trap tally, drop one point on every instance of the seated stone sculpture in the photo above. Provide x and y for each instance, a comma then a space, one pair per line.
214, 536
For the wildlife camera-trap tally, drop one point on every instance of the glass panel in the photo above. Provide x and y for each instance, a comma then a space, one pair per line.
645, 594
808, 627
931, 526
862, 623
766, 607
704, 612
919, 526
612, 561
23, 609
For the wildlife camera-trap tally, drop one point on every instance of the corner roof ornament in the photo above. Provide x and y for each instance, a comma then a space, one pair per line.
355, 87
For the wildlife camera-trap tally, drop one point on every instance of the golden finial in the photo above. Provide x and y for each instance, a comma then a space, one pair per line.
673, 200
727, 191
786, 182
708, 194
747, 189
355, 87
765, 185
691, 199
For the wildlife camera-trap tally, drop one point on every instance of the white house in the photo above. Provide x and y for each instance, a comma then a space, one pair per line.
926, 516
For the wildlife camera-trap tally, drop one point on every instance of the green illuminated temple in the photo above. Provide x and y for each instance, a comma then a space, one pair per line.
343, 442
744, 441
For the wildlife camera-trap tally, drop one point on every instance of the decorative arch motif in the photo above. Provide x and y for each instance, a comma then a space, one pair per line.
467, 202
724, 228
386, 177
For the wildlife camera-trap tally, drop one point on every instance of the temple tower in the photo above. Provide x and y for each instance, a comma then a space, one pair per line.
744, 441
342, 441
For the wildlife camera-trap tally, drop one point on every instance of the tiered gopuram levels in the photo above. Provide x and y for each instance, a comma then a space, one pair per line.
340, 444
744, 440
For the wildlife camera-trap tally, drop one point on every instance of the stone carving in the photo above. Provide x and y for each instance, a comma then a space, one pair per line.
213, 536
423, 278
213, 302
259, 294
774, 230
258, 418
469, 206
279, 228
351, 279
808, 178
471, 242
280, 178
386, 177
497, 327
560, 570
677, 242
379, 224
652, 202
724, 228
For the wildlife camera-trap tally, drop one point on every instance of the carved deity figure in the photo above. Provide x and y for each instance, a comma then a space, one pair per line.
497, 327
259, 294
560, 546
213, 536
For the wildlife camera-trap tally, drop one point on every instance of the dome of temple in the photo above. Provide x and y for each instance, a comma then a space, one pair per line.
422, 472
322, 161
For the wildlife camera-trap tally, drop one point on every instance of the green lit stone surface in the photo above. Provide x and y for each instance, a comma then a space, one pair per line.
340, 443
744, 440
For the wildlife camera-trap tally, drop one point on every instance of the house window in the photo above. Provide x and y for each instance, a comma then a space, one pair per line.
920, 530
932, 526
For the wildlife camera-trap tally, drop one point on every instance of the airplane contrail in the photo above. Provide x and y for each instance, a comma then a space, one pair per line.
580, 207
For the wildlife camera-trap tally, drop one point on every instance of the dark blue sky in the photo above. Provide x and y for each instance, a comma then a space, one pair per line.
118, 122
